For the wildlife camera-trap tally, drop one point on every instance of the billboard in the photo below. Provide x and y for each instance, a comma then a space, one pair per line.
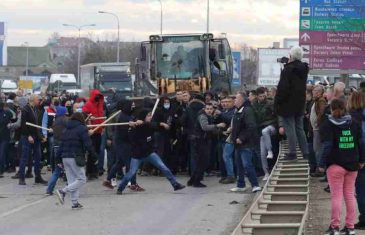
332, 33
268, 68
236, 81
3, 48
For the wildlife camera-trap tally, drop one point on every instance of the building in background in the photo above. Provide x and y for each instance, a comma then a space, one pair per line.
3, 47
290, 42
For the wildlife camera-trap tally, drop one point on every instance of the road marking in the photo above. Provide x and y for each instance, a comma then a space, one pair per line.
21, 208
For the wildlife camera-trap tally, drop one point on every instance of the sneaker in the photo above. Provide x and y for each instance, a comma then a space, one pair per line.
238, 190
119, 192
229, 180
256, 189
76, 206
270, 155
199, 185
22, 182
332, 231
108, 184
136, 188
48, 194
61, 196
114, 182
178, 186
360, 226
16, 176
266, 177
327, 189
347, 231
221, 180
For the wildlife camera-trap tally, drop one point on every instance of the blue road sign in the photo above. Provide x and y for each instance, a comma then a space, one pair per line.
350, 12
333, 2
236, 81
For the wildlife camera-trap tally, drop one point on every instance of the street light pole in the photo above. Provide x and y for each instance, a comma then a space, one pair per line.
27, 61
208, 16
78, 46
161, 16
116, 16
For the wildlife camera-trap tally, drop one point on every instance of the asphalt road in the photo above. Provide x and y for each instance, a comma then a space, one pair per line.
159, 210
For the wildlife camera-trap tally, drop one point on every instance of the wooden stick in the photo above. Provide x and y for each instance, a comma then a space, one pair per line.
110, 124
106, 121
155, 107
36, 126
97, 118
88, 117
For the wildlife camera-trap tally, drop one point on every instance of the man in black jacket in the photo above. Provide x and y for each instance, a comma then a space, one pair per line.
30, 140
290, 102
244, 133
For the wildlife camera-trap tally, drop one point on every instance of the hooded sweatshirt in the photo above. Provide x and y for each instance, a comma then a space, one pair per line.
96, 108
342, 143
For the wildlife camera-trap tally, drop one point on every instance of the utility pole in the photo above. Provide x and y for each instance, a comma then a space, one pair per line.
208, 13
116, 16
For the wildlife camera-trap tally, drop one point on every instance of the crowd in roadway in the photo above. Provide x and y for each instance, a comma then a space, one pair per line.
200, 135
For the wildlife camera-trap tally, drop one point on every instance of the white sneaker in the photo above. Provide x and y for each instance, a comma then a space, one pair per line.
270, 155
266, 177
236, 189
256, 189
114, 182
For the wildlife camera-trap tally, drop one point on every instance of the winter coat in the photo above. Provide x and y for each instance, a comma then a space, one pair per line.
75, 141
244, 127
47, 121
190, 116
342, 143
141, 139
95, 108
264, 113
30, 115
291, 91
204, 127
5, 119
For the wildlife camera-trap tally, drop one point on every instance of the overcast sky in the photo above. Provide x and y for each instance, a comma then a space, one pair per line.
255, 22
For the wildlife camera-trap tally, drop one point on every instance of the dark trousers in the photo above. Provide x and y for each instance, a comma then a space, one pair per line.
10, 156
201, 155
91, 168
26, 153
360, 194
3, 150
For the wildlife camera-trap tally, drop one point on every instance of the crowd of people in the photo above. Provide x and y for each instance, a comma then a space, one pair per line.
230, 136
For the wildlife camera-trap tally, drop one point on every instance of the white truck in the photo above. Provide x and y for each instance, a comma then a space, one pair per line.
61, 82
8, 86
107, 77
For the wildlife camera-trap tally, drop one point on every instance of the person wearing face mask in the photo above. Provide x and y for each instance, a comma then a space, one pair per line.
95, 107
164, 136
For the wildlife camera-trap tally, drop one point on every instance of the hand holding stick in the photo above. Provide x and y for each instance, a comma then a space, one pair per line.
36, 126
106, 121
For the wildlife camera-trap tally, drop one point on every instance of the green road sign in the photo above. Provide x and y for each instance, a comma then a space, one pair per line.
332, 24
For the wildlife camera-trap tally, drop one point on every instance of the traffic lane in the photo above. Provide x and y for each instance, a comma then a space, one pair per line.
159, 210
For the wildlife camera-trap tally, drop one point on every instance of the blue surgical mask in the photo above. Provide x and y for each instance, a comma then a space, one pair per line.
79, 110
81, 104
166, 106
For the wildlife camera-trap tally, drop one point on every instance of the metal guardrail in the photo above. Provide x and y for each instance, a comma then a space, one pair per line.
282, 206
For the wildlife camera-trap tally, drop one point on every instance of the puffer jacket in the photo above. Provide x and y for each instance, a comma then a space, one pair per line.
95, 108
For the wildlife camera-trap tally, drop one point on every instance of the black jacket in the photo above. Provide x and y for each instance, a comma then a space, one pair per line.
30, 115
291, 91
189, 118
75, 141
141, 138
244, 127
5, 119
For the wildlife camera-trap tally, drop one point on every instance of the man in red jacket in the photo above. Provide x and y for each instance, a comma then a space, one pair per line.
95, 107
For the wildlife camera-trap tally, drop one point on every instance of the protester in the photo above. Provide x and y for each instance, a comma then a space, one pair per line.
243, 136
141, 137
74, 142
5, 120
290, 101
343, 156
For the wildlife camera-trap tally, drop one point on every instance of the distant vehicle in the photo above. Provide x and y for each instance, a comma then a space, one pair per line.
8, 86
61, 82
107, 77
193, 62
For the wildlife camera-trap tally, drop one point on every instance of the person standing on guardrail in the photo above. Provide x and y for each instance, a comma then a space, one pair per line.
343, 155
290, 102
243, 135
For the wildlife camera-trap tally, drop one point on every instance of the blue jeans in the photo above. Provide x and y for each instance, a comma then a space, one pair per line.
294, 132
26, 147
228, 152
155, 160
50, 159
244, 163
360, 194
4, 144
53, 180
